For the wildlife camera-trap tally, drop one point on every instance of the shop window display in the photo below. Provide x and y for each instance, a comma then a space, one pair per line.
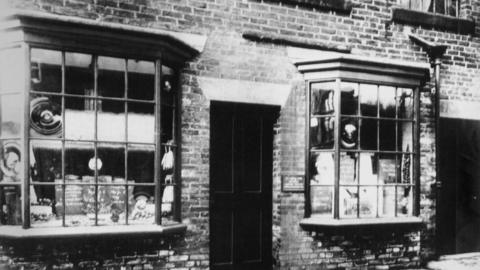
367, 162
92, 142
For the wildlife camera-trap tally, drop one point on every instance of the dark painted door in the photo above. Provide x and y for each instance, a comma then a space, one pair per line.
241, 186
458, 219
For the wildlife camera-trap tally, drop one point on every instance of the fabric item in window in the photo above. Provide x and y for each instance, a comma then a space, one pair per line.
322, 132
322, 102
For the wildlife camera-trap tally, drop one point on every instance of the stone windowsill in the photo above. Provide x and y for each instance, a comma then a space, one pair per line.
337, 223
431, 20
342, 6
17, 232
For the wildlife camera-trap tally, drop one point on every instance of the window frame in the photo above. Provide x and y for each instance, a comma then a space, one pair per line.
32, 29
337, 150
371, 70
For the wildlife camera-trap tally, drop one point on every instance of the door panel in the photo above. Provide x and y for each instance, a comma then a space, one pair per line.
241, 182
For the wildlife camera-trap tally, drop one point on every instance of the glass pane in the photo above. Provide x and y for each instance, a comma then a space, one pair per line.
368, 201
141, 79
322, 98
169, 90
80, 203
368, 99
322, 168
405, 136
111, 77
11, 206
141, 163
79, 76
387, 135
386, 97
405, 201
79, 119
11, 115
167, 124
405, 103
46, 70
141, 122
406, 168
321, 200
322, 132
368, 134
142, 208
111, 120
348, 168
386, 202
349, 98
368, 168
12, 71
80, 162
112, 157
349, 133
12, 161
387, 169
168, 202
43, 211
348, 201
45, 116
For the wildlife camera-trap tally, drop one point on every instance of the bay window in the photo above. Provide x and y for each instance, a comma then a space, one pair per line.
362, 154
89, 131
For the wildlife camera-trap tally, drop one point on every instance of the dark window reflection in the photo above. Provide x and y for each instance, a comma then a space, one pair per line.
111, 77
141, 80
46, 69
79, 77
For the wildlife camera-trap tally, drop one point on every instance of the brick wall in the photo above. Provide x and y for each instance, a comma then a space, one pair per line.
366, 31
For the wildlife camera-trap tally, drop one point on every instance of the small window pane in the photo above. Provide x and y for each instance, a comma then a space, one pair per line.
169, 89
46, 70
141, 163
168, 124
322, 132
111, 77
405, 103
387, 202
405, 136
141, 122
368, 134
141, 80
388, 169
348, 168
79, 76
368, 201
79, 119
387, 135
322, 98
80, 160
406, 168
368, 99
386, 97
143, 206
349, 133
11, 115
45, 116
12, 161
43, 212
12, 71
11, 207
168, 202
321, 200
349, 98
111, 121
348, 202
322, 169
405, 201
80, 202
112, 157
368, 168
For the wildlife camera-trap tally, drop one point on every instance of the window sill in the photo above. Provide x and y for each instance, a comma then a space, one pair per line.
17, 232
342, 6
437, 21
343, 223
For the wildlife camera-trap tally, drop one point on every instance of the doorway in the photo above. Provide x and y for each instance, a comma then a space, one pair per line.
459, 195
241, 152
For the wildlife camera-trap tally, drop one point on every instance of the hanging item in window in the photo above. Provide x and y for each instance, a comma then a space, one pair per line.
349, 134
406, 167
167, 197
168, 158
45, 116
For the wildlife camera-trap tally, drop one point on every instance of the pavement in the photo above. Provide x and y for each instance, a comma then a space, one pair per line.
464, 261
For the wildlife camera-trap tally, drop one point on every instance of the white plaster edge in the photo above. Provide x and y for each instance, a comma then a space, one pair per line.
298, 55
244, 91
460, 109
195, 41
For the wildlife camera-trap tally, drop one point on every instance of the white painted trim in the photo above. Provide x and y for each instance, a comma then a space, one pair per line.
244, 91
460, 109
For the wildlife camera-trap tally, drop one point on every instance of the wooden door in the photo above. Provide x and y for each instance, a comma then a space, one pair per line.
241, 186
